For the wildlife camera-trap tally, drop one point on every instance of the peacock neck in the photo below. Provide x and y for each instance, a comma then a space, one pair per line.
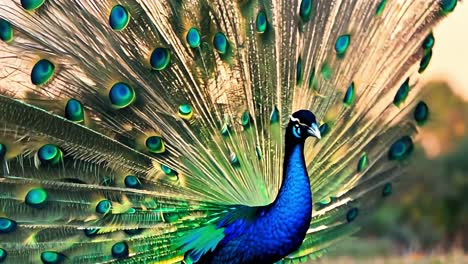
295, 186
292, 207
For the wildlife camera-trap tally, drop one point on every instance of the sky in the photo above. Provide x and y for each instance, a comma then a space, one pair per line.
450, 53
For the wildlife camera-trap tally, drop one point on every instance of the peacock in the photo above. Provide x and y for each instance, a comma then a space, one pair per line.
203, 131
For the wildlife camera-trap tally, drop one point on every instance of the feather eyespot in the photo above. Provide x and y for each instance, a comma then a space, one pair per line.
119, 18
3, 254
31, 5
52, 257
6, 31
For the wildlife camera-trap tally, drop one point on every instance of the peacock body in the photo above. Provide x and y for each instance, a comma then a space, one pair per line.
173, 131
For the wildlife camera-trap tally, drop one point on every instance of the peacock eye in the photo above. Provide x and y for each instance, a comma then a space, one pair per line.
297, 131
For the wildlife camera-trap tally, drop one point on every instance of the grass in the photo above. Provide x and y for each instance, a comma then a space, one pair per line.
455, 257
382, 251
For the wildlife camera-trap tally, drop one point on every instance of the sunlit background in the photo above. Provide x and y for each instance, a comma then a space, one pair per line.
450, 60
426, 220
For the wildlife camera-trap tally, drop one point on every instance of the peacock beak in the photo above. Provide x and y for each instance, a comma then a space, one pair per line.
314, 131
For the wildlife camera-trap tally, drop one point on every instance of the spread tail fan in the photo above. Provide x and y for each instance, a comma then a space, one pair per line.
136, 131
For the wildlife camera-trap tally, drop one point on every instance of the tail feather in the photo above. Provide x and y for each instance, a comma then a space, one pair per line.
28, 123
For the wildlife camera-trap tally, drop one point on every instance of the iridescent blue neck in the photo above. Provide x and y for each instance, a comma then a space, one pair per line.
295, 176
293, 206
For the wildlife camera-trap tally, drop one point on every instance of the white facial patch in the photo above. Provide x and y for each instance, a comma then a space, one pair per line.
292, 118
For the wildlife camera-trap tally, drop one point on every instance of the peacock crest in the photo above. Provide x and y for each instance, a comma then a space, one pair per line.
196, 131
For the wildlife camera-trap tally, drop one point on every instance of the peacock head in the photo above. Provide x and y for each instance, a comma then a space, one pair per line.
303, 124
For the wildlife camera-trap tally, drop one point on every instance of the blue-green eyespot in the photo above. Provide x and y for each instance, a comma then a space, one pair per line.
421, 113
261, 22
349, 96
387, 190
119, 18
401, 149
155, 144
31, 5
168, 171
342, 44
42, 72
36, 197
448, 6
121, 95
6, 31
3, 150
3, 255
193, 38
74, 111
7, 225
220, 43
160, 58
51, 257
103, 207
305, 10
50, 154
132, 181
352, 214
185, 111
120, 250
